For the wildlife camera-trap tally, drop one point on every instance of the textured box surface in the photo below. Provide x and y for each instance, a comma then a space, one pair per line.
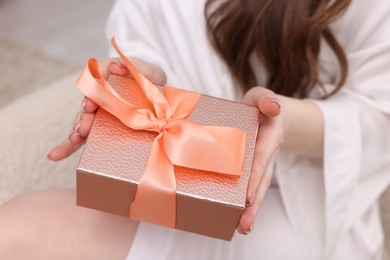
114, 158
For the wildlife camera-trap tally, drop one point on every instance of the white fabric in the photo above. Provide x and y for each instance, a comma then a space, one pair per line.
155, 242
330, 203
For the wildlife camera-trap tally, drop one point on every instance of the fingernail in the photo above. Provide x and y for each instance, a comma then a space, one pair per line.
250, 228
250, 201
76, 129
276, 101
117, 63
70, 133
84, 103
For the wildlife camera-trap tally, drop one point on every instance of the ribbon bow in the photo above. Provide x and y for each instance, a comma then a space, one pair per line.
180, 141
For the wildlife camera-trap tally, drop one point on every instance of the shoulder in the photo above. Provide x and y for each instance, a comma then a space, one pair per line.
160, 15
158, 5
365, 23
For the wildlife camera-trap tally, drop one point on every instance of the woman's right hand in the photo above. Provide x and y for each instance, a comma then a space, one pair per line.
83, 121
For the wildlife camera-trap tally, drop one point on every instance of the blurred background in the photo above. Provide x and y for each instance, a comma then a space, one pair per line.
70, 30
44, 44
65, 32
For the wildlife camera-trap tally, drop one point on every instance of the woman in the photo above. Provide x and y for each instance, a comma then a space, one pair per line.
324, 137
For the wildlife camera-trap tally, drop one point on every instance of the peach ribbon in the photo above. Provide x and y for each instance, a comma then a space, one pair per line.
180, 142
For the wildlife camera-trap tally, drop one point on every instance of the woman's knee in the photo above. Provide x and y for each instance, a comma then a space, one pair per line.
23, 224
49, 221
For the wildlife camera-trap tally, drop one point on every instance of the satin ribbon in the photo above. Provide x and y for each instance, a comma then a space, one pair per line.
180, 141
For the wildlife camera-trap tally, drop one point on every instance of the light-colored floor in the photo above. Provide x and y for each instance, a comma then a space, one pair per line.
72, 30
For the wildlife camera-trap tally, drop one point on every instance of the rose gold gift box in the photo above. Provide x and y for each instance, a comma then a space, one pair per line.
114, 157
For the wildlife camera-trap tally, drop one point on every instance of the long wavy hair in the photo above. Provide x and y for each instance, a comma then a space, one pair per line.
285, 36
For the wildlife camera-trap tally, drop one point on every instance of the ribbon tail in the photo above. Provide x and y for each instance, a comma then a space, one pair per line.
155, 199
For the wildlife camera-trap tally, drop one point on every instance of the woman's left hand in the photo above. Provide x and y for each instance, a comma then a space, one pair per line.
269, 139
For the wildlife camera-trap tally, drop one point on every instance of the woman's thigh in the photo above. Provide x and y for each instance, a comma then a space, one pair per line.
49, 225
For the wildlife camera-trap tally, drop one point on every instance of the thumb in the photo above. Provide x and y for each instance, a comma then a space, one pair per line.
266, 100
113, 66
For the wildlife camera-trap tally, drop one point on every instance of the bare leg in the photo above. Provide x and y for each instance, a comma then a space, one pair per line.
48, 225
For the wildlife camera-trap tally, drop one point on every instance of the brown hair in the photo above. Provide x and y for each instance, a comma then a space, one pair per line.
284, 34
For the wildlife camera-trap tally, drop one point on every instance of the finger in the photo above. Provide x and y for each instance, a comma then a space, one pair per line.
67, 147
247, 220
113, 66
267, 144
150, 71
76, 120
63, 150
88, 105
81, 127
266, 100
75, 138
85, 125
116, 67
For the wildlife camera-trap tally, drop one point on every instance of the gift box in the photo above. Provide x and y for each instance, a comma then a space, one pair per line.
207, 201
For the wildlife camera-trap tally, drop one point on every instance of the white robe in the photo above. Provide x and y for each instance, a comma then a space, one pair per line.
322, 208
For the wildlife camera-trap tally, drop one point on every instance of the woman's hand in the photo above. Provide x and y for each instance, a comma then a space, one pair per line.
270, 138
83, 121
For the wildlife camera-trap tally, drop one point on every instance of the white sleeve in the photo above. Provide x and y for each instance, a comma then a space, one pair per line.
172, 34
356, 163
135, 31
357, 119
